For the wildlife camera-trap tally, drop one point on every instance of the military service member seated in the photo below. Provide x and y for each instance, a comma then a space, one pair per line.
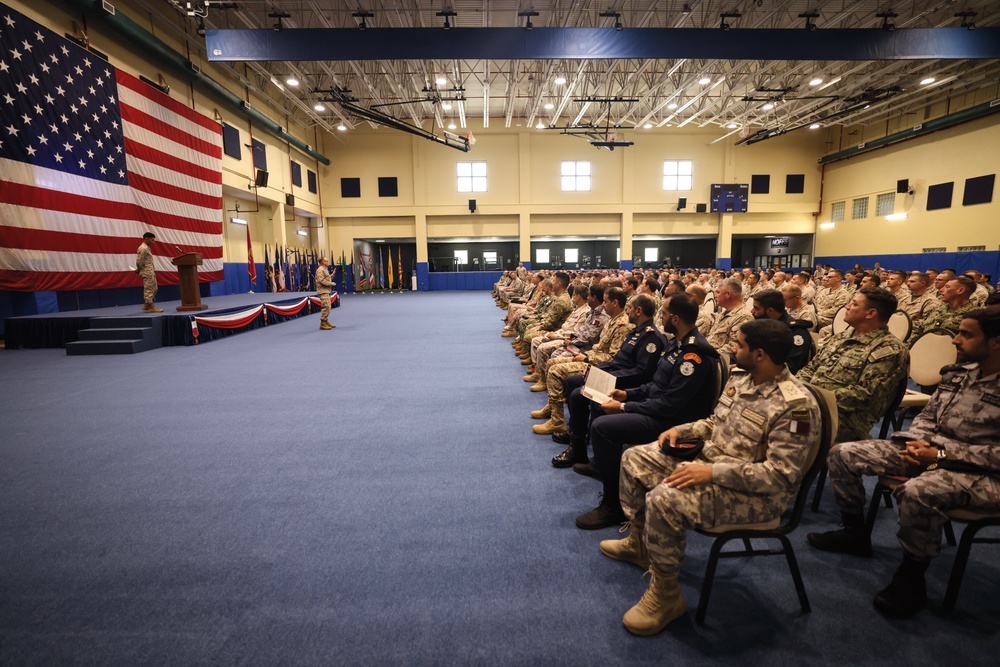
863, 367
758, 443
951, 453
683, 388
770, 304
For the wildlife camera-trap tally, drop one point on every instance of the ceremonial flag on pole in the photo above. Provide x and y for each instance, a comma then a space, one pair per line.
391, 277
91, 159
279, 272
399, 264
381, 269
251, 267
268, 272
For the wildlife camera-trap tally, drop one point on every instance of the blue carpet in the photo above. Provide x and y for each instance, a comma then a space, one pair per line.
373, 495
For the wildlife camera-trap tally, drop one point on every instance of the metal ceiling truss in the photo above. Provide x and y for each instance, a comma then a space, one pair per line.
516, 84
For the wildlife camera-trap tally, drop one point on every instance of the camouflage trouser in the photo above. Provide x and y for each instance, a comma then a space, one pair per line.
542, 349
512, 312
149, 287
922, 501
324, 307
561, 368
666, 513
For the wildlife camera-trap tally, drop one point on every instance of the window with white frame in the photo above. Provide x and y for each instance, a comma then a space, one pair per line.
472, 176
859, 208
489, 256
885, 203
618, 255
575, 176
572, 255
678, 174
542, 255
837, 210
461, 256
651, 255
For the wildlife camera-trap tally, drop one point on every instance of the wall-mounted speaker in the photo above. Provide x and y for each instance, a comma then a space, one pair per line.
682, 203
701, 208
289, 199
472, 206
902, 186
261, 179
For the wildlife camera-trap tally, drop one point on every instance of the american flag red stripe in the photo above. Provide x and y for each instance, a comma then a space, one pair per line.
90, 159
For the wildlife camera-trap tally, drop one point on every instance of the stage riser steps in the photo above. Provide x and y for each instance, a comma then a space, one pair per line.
112, 334
118, 335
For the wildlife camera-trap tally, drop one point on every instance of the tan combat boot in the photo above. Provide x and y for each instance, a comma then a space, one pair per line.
531, 377
146, 306
661, 604
631, 550
544, 413
555, 424
540, 384
153, 309
508, 333
324, 325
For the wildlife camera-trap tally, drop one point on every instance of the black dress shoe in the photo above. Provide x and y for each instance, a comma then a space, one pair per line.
587, 470
569, 457
602, 516
562, 438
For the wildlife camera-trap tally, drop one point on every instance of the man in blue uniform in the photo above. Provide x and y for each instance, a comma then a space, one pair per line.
683, 389
634, 364
770, 304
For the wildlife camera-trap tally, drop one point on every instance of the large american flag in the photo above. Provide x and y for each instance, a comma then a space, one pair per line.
90, 159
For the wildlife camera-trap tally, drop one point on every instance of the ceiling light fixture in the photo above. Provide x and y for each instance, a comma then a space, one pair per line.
451, 126
278, 27
560, 81
705, 81
540, 126
768, 106
292, 81
447, 14
446, 106
441, 81
319, 107
928, 81
341, 127
727, 15
809, 16
363, 15
816, 82
827, 225
648, 126
672, 105
731, 126
549, 106
815, 126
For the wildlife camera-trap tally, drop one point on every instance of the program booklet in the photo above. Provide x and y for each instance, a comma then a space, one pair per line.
598, 385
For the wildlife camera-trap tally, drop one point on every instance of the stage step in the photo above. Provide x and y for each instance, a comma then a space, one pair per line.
118, 335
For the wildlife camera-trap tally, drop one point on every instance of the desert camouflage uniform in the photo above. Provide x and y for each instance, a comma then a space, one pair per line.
706, 317
144, 267
583, 339
758, 442
324, 287
978, 298
559, 309
944, 317
828, 302
808, 293
515, 289
919, 307
524, 320
804, 312
864, 372
612, 337
963, 419
573, 322
726, 328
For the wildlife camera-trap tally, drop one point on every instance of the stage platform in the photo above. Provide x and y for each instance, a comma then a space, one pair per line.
226, 316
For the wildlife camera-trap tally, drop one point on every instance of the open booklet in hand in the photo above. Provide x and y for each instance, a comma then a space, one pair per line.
598, 385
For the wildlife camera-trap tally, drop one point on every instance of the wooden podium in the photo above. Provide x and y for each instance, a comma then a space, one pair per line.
187, 268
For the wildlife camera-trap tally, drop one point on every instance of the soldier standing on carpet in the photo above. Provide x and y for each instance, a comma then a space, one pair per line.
324, 288
144, 267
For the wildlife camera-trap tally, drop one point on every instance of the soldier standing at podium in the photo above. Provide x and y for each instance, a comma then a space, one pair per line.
324, 287
144, 267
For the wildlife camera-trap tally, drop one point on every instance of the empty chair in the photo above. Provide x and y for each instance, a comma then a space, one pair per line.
900, 325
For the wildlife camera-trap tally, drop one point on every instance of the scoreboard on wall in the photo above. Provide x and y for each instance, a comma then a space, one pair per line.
730, 197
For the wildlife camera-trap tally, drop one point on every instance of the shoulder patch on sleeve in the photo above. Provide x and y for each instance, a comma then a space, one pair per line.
691, 356
882, 352
791, 392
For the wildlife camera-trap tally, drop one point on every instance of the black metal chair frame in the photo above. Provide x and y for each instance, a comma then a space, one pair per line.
788, 523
